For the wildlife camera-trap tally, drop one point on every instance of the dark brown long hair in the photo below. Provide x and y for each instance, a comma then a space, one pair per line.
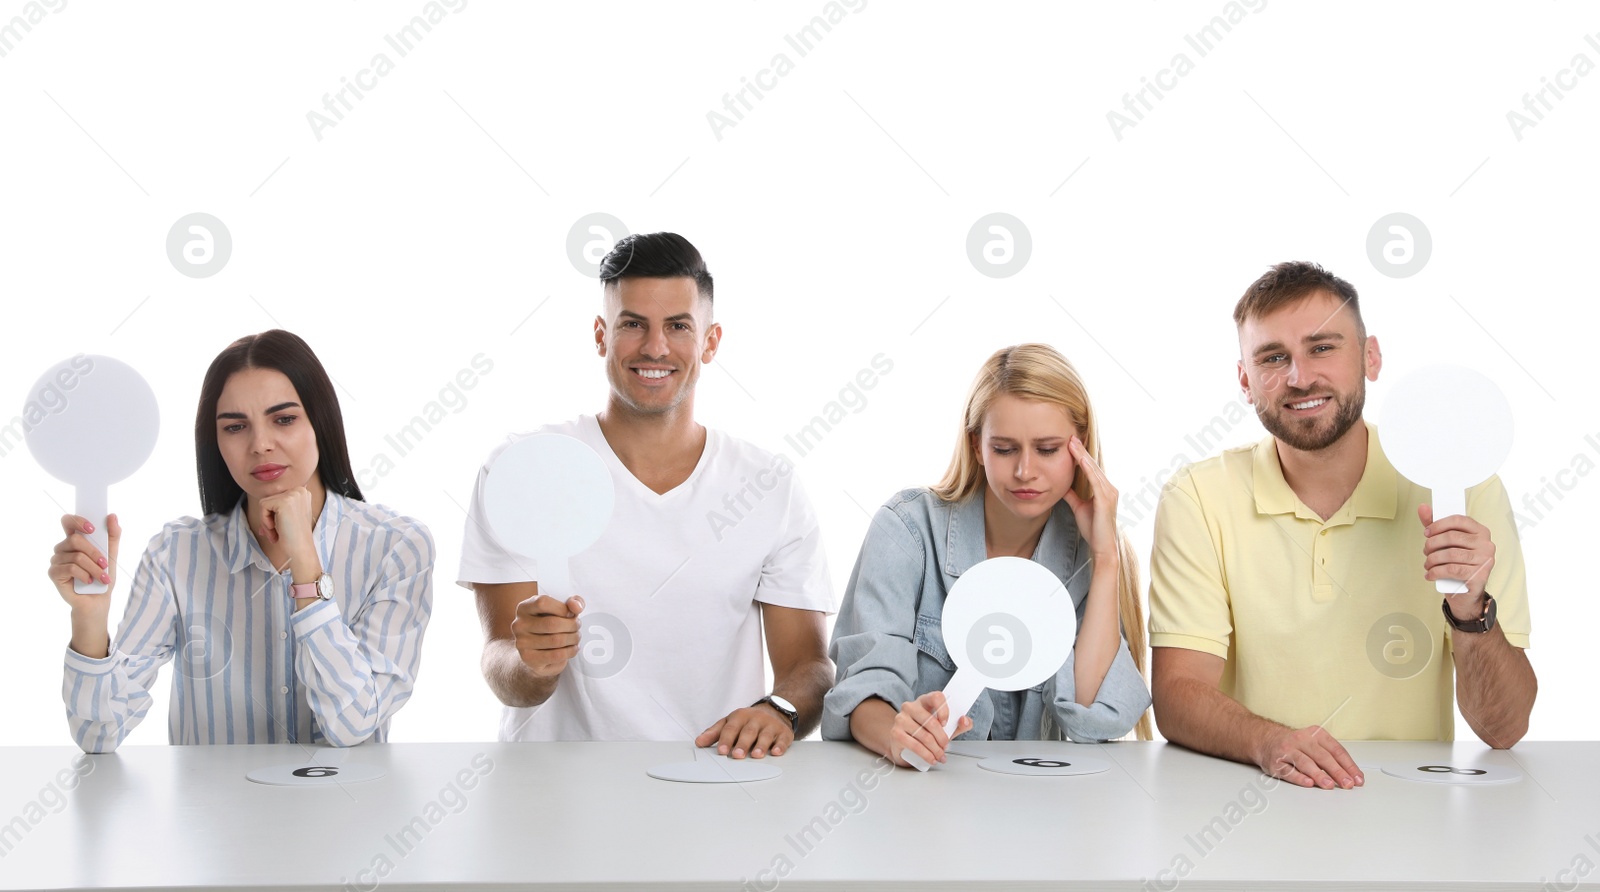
285, 352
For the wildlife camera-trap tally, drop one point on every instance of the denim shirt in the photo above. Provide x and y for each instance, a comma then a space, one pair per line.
887, 641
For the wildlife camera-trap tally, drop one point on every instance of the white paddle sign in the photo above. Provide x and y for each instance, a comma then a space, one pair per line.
548, 496
1008, 625
91, 421
1447, 428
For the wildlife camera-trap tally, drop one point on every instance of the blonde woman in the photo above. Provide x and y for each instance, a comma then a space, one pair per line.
1025, 481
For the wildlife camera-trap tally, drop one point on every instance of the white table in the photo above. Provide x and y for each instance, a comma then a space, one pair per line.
586, 816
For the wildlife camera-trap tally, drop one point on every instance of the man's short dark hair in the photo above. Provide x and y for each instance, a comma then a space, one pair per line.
655, 255
1290, 282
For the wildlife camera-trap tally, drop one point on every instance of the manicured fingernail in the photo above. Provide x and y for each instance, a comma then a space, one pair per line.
105, 577
88, 527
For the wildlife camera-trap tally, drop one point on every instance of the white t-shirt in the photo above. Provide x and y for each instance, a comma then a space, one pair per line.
671, 634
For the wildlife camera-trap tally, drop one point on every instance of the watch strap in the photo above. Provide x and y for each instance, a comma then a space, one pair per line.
1483, 623
790, 714
321, 587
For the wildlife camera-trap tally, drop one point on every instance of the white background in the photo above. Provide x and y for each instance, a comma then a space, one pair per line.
425, 227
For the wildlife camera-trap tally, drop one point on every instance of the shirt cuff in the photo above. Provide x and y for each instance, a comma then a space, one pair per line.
1119, 703
526, 570
1101, 721
796, 601
77, 662
309, 619
842, 700
1190, 642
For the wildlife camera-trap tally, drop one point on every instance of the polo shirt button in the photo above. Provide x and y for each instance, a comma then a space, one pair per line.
283, 634
284, 689
1324, 532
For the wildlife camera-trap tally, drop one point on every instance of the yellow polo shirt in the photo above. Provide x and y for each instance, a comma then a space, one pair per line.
1325, 623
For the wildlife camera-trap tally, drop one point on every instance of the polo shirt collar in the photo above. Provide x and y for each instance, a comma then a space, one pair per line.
1376, 495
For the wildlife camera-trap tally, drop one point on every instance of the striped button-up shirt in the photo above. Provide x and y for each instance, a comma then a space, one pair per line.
248, 667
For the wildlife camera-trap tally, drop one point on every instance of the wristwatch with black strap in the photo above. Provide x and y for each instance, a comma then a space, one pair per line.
784, 708
1482, 624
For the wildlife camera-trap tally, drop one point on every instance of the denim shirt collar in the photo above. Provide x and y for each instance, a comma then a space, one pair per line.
964, 544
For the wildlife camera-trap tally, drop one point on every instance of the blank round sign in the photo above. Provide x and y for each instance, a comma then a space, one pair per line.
97, 421
1446, 427
548, 496
1009, 622
91, 421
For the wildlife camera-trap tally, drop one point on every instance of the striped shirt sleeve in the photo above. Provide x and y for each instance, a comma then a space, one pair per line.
359, 670
107, 698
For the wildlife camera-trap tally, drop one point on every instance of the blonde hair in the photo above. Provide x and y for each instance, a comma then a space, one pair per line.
1039, 372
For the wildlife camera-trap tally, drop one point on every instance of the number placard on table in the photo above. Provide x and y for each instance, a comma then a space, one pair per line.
303, 775
1437, 773
714, 769
1045, 766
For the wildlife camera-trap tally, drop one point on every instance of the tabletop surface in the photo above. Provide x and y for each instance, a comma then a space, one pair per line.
586, 815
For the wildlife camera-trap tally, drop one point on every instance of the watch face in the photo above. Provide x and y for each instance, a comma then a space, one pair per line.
783, 704
325, 587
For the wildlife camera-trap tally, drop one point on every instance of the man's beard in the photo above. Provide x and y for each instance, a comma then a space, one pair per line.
1310, 435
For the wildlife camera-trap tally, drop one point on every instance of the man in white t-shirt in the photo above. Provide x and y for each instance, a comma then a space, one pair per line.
710, 540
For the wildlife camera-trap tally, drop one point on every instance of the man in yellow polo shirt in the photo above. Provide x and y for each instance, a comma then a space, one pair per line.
1292, 597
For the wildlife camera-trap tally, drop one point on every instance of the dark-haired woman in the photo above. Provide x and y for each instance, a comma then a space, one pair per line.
294, 609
